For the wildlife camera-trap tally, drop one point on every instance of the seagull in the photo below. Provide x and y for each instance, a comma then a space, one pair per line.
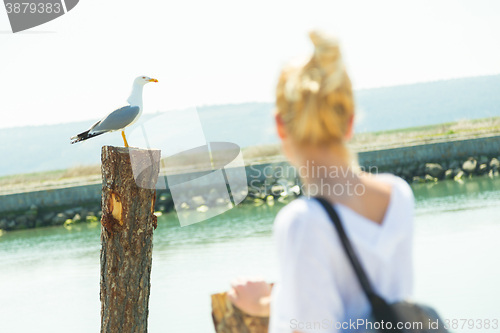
121, 117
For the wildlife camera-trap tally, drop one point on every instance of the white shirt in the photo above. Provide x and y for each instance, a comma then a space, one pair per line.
317, 289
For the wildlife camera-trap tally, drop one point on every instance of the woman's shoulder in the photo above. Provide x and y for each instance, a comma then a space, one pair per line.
296, 214
303, 210
402, 189
400, 212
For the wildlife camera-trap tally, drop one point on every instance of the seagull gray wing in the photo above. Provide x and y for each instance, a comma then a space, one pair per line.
116, 120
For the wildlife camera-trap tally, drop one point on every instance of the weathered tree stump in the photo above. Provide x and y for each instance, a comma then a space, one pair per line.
229, 319
127, 225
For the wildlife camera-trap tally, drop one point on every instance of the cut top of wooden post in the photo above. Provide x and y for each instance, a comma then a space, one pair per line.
138, 164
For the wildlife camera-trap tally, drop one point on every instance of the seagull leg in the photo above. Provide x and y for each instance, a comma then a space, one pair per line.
124, 139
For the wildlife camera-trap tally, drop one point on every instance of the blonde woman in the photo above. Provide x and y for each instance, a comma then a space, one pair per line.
317, 290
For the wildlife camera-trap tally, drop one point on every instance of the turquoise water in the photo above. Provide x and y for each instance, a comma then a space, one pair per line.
49, 278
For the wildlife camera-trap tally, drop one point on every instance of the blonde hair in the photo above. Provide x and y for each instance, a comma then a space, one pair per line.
315, 100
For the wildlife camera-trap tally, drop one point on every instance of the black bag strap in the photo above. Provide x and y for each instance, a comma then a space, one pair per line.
381, 310
360, 273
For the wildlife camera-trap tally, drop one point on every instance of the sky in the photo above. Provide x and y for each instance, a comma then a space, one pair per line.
81, 65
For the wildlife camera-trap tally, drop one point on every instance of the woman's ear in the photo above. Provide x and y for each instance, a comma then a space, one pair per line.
280, 126
350, 128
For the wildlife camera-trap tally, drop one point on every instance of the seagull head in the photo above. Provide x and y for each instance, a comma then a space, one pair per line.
142, 80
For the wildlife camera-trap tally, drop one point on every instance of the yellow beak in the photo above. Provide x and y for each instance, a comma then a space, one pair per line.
153, 80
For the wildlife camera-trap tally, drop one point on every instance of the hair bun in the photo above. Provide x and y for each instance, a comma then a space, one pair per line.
328, 58
315, 99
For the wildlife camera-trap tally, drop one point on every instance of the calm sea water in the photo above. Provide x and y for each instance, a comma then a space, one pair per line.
49, 278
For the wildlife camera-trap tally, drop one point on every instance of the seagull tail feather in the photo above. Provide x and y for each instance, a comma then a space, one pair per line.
84, 136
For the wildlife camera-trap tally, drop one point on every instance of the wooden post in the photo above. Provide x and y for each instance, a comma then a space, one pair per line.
229, 319
127, 225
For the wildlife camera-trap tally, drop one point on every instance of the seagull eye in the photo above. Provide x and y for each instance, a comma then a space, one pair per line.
143, 77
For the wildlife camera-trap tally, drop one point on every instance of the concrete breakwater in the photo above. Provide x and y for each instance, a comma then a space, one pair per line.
425, 162
432, 161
